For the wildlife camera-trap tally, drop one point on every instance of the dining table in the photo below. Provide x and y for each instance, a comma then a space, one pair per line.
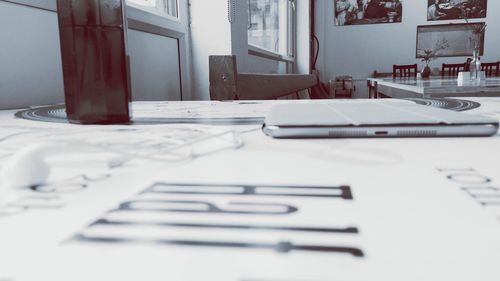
433, 87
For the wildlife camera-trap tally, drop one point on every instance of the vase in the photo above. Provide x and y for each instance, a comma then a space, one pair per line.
426, 71
475, 66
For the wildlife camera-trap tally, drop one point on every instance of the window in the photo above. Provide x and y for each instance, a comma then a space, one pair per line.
161, 7
163, 18
271, 25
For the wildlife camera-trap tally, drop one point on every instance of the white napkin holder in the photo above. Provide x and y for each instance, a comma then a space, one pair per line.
482, 75
464, 77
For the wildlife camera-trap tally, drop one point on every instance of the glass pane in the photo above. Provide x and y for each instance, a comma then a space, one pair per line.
171, 8
162, 7
147, 3
268, 26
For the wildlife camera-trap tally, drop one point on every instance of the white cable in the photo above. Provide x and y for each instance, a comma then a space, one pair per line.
28, 168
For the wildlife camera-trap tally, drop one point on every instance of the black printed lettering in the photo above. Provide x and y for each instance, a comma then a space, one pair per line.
464, 178
343, 192
157, 200
476, 185
483, 192
347, 230
176, 206
281, 247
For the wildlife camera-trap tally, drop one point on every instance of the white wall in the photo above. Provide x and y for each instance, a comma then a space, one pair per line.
213, 34
303, 48
30, 61
210, 35
361, 49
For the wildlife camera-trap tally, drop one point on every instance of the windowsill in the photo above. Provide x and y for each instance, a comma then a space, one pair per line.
260, 52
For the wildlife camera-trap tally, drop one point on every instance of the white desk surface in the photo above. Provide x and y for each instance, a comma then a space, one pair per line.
424, 209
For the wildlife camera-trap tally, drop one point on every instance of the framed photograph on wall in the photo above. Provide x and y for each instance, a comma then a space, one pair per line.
450, 40
356, 12
456, 9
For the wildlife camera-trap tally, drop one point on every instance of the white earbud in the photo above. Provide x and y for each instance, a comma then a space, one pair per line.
27, 167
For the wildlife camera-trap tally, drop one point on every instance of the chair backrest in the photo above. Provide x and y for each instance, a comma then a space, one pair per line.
402, 71
491, 68
226, 83
377, 74
452, 69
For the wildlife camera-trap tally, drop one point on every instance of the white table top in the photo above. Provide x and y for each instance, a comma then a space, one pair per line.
369, 209
438, 87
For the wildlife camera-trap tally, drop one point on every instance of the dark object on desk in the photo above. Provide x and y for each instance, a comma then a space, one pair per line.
403, 71
227, 84
452, 70
94, 57
491, 68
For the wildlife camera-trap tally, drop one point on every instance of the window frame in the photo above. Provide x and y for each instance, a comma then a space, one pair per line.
153, 23
168, 26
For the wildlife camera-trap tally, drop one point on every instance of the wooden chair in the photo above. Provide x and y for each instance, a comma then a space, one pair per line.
491, 68
372, 85
402, 71
452, 69
227, 84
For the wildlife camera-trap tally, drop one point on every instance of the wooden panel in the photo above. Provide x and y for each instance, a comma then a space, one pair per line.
227, 84
271, 86
223, 74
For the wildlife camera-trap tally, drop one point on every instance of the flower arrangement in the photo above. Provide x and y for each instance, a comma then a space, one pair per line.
477, 34
477, 31
429, 55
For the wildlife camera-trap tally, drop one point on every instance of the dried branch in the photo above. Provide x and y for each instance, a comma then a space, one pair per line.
477, 30
431, 54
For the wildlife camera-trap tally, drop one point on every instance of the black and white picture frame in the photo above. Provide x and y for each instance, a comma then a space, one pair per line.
449, 40
356, 12
456, 9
